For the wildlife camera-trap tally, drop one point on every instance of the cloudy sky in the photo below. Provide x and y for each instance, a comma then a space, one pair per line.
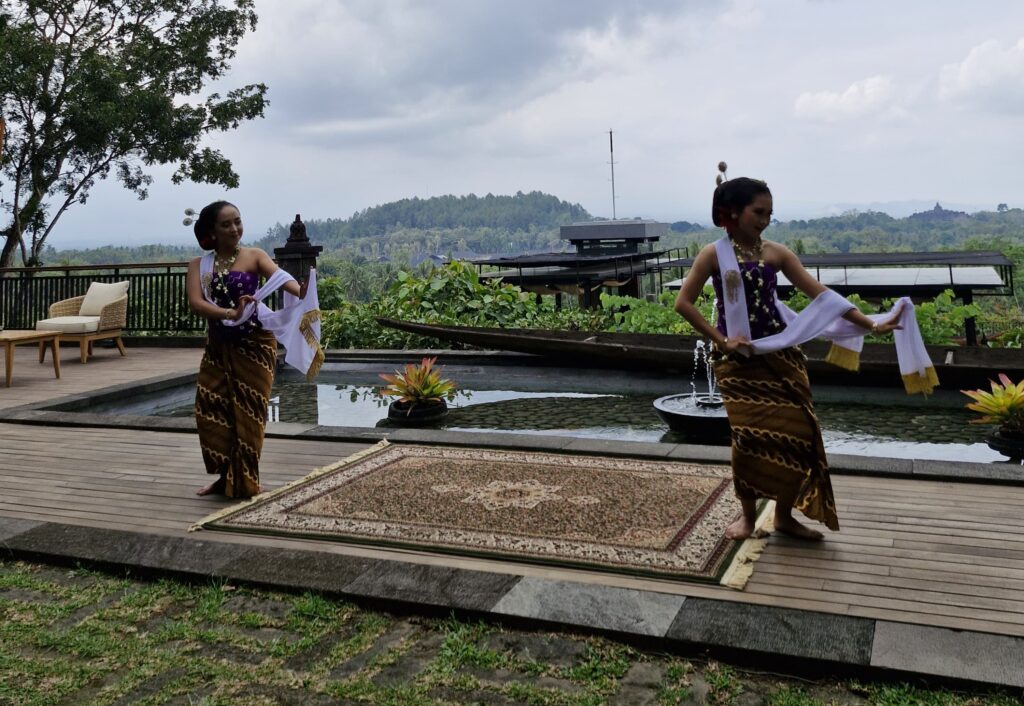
836, 103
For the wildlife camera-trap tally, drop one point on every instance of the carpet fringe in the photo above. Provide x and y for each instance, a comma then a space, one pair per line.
742, 566
316, 472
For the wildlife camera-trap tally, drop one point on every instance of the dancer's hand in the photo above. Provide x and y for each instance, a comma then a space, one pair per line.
890, 324
243, 301
737, 344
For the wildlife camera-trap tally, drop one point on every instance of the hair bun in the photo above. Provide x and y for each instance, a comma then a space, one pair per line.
205, 240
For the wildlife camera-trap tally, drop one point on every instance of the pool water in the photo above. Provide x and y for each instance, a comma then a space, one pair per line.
862, 422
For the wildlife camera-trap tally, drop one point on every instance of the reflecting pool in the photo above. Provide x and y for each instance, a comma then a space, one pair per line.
616, 405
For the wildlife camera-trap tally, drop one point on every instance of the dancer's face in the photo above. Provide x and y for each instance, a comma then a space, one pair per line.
227, 231
755, 217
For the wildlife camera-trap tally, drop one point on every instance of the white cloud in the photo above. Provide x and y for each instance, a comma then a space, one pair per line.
870, 96
374, 101
743, 15
990, 76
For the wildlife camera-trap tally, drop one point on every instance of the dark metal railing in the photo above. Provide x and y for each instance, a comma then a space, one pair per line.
156, 294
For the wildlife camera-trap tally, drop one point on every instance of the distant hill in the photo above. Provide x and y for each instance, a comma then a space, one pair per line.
685, 227
414, 230
481, 224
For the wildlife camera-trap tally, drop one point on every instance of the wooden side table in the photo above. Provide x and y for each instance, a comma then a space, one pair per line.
12, 338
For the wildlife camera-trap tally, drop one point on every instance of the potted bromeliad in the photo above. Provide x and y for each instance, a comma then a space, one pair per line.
421, 393
1003, 406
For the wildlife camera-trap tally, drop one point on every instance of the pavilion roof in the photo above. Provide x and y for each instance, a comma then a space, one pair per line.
566, 259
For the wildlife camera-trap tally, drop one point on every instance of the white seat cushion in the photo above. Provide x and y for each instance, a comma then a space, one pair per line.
99, 295
69, 324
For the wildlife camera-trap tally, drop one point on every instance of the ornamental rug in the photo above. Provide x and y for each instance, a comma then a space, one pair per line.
639, 516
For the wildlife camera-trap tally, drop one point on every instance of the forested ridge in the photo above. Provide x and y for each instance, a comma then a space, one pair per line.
408, 230
442, 224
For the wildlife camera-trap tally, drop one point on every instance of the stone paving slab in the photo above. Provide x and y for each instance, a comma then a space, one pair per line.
781, 631
617, 447
969, 472
591, 605
117, 547
11, 526
949, 653
427, 585
298, 569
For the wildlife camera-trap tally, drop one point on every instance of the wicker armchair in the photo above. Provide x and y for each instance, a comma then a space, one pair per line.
104, 317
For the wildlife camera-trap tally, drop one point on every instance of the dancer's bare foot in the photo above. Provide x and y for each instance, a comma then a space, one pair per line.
740, 529
214, 488
789, 525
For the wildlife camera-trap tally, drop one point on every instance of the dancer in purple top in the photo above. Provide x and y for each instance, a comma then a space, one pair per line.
777, 451
238, 365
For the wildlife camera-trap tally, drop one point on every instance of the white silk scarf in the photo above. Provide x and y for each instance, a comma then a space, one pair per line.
823, 318
296, 325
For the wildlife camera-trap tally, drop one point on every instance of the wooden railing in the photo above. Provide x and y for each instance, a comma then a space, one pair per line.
156, 294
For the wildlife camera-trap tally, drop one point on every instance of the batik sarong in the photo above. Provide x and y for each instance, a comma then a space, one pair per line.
232, 395
777, 451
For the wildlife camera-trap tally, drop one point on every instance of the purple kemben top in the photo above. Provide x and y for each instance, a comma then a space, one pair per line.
760, 280
239, 283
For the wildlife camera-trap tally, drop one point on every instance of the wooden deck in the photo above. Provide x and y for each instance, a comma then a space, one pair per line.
922, 552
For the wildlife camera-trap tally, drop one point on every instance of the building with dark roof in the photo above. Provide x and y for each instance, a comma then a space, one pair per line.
609, 255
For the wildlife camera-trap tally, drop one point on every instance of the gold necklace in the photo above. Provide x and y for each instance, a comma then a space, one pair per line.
220, 282
223, 267
748, 254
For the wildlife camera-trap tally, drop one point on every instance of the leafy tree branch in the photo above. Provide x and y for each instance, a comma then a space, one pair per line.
99, 87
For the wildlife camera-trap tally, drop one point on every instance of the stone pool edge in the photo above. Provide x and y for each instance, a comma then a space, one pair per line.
61, 411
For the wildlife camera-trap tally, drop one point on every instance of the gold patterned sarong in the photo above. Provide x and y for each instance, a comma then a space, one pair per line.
777, 451
232, 395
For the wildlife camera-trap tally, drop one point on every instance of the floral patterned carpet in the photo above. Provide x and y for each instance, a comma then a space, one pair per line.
632, 515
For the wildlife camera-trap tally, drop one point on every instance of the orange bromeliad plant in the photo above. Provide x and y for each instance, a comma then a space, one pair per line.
1004, 405
419, 384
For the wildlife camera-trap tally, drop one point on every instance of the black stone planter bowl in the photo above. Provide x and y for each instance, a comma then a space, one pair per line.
1011, 445
417, 414
700, 425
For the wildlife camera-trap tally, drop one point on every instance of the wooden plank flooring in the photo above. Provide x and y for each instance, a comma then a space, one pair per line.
926, 552
33, 382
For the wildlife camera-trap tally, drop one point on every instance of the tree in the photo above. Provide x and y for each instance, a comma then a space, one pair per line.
93, 86
1002, 208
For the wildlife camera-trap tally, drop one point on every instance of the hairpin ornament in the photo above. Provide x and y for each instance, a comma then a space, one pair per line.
722, 177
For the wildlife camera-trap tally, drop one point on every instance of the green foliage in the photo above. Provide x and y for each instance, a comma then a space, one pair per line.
331, 292
942, 320
452, 294
632, 315
93, 88
118, 255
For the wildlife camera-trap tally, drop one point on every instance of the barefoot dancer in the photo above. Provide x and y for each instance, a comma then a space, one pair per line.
237, 369
777, 451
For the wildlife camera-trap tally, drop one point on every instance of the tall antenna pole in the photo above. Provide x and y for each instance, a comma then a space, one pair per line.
611, 151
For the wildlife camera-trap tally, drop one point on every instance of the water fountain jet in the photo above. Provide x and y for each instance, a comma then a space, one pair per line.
699, 417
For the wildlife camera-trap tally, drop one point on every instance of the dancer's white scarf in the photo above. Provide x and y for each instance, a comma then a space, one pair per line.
296, 325
823, 317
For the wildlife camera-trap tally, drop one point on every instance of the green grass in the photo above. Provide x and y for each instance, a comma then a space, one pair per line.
153, 641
